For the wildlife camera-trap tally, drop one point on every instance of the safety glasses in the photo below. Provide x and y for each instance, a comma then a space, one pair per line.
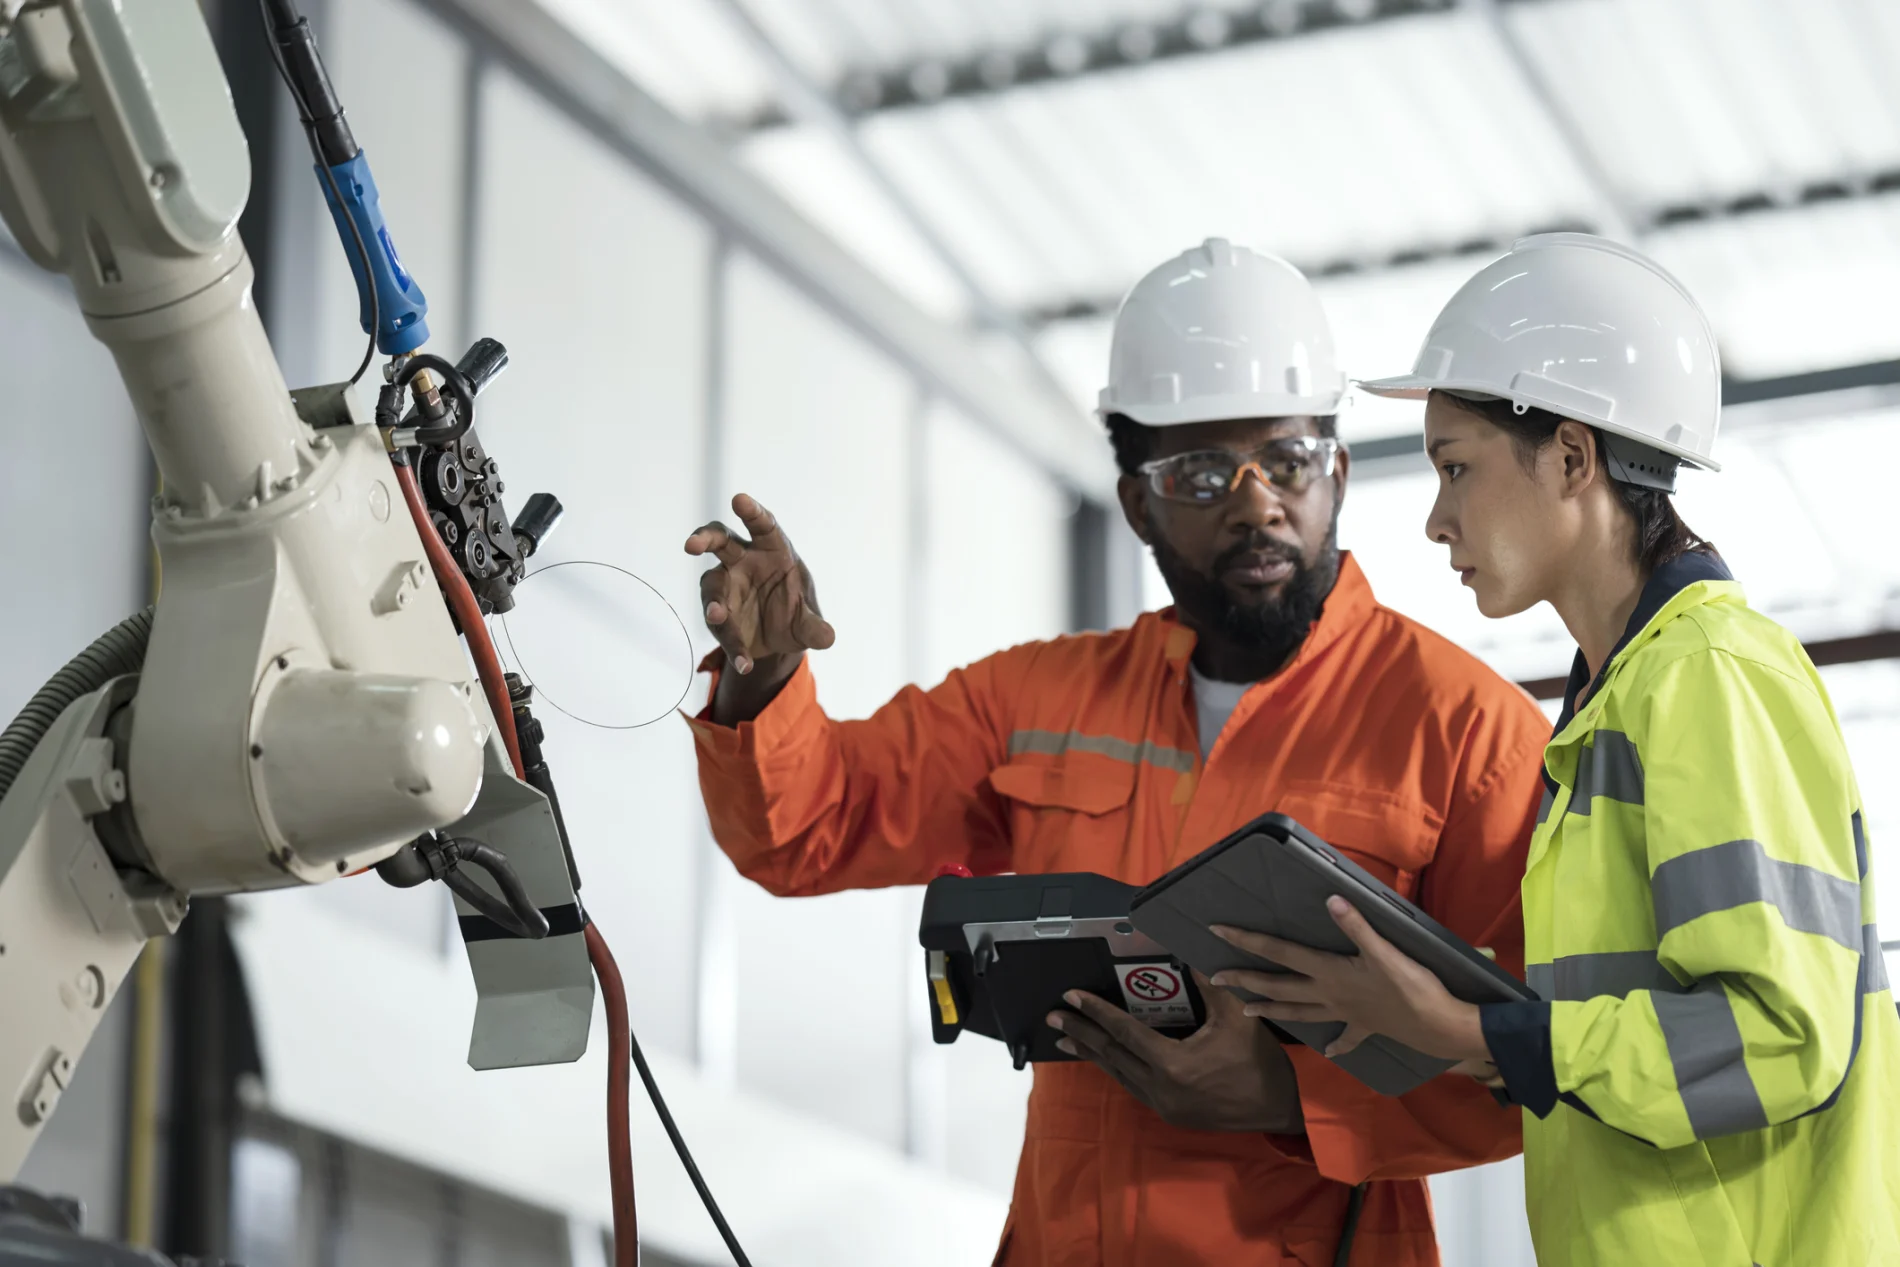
1207, 476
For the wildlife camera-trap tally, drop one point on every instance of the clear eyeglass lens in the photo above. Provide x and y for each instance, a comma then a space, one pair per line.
1205, 477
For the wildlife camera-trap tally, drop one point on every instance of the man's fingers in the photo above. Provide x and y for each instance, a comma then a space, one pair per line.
717, 609
713, 583
760, 522
718, 540
1286, 987
1353, 1036
1301, 959
811, 629
1119, 1025
1092, 1043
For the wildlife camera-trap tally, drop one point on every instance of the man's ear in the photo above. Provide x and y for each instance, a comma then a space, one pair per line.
1132, 492
1342, 470
1579, 463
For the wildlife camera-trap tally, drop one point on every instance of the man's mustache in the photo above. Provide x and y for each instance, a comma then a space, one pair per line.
1259, 543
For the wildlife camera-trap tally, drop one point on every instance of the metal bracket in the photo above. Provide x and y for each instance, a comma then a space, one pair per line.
1124, 940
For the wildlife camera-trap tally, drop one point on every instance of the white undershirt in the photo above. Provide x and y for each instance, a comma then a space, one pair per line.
1214, 703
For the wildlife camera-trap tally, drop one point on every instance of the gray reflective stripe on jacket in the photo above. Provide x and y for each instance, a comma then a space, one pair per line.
1609, 768
1054, 743
1739, 872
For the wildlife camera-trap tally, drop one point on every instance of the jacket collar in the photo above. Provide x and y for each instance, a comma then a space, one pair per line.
1659, 593
1347, 606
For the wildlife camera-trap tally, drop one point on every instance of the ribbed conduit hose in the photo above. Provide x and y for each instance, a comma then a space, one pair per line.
118, 651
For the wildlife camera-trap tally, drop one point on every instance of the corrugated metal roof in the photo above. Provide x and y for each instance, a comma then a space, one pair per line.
1689, 101
1354, 145
1349, 145
1796, 290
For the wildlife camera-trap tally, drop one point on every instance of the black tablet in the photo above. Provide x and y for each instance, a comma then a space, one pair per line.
1000, 951
1274, 876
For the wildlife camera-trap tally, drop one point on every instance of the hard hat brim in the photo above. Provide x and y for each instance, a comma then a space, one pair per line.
1401, 386
1418, 387
1223, 409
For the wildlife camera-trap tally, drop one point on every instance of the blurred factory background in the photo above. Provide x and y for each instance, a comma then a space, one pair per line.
859, 257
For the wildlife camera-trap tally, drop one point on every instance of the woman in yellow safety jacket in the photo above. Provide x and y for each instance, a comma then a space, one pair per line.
1711, 1070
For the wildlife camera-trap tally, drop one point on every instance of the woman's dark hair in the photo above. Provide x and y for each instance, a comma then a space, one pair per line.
1661, 536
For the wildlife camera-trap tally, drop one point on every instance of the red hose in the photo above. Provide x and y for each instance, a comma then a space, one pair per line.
619, 1116
468, 612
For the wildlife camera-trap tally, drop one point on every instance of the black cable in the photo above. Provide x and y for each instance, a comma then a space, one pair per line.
686, 1156
329, 177
1355, 1203
455, 383
528, 919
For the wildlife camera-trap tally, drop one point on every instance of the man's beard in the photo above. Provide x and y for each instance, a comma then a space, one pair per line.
1274, 627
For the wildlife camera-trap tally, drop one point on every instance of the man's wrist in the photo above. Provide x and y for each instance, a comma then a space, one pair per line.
741, 697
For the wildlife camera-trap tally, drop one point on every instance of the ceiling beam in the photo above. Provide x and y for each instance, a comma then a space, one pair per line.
1613, 216
1066, 54
1646, 221
600, 97
809, 104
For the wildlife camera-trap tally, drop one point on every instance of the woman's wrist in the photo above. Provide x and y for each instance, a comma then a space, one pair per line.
1463, 1031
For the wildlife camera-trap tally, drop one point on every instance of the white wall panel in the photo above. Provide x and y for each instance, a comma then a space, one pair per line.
75, 484
402, 78
996, 549
74, 490
817, 427
995, 564
600, 295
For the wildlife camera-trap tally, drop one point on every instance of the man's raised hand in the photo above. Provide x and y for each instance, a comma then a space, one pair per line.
759, 602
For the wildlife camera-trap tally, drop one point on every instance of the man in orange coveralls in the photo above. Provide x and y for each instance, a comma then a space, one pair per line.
1276, 682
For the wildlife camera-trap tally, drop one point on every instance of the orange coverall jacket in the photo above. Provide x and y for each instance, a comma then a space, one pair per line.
1081, 754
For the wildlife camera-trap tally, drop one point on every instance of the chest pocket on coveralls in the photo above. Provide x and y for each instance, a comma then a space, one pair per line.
1069, 814
1392, 838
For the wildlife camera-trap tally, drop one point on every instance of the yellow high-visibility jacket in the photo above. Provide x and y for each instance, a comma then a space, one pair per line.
1716, 1066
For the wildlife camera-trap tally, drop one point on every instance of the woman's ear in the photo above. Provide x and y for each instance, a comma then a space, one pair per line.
1574, 447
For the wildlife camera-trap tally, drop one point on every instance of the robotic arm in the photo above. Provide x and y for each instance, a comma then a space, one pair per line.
298, 706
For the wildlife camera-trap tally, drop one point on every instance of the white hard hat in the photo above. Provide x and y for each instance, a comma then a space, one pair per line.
1221, 332
1589, 329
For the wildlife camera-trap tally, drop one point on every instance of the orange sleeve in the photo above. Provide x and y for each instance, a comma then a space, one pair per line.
804, 804
1472, 888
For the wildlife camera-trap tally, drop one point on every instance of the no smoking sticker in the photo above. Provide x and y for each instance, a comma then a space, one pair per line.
1155, 994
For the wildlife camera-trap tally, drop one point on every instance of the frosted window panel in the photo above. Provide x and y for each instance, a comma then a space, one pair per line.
1867, 699
601, 296
76, 483
402, 78
1848, 505
817, 427
997, 553
1480, 1216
